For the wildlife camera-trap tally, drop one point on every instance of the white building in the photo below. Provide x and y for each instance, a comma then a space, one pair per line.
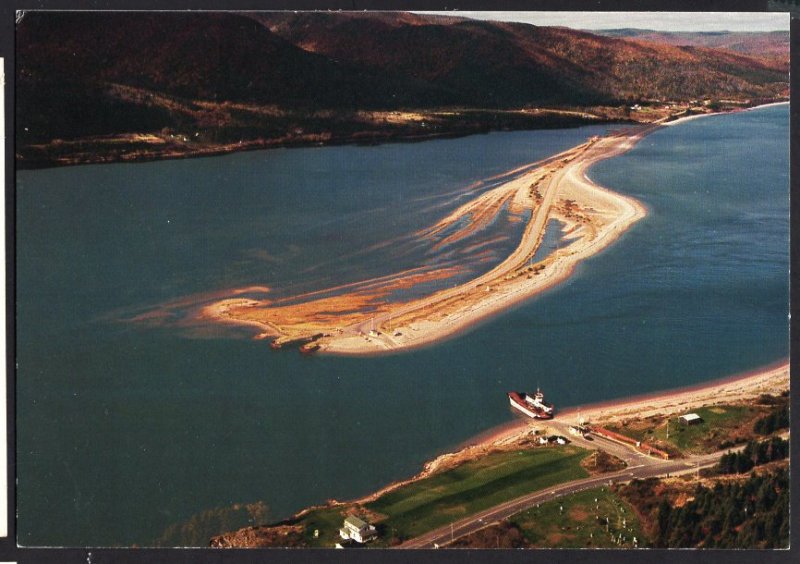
358, 530
691, 419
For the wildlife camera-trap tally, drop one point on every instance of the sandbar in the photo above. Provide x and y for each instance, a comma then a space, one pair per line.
362, 322
360, 319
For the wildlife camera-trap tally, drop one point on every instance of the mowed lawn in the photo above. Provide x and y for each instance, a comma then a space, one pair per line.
443, 498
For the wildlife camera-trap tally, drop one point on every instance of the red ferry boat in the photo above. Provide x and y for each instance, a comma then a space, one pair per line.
533, 406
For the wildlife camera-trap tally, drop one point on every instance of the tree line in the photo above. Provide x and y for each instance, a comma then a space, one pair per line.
750, 514
777, 419
754, 454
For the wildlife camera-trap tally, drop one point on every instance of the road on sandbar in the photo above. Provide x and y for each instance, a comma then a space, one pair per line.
477, 302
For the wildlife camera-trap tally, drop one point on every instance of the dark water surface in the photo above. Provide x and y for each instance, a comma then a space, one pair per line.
124, 428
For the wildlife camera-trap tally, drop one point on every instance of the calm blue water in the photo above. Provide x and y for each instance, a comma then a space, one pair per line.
124, 428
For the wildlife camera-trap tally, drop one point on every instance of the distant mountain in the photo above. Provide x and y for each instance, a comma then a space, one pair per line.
236, 77
67, 60
507, 64
769, 45
461, 62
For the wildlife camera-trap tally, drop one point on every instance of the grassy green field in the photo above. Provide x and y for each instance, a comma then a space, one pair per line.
474, 486
720, 423
327, 523
716, 421
577, 521
421, 506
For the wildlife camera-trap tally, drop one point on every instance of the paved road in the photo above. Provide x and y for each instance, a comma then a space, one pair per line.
627, 453
642, 467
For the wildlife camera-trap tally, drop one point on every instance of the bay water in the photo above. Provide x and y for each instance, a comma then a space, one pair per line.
125, 428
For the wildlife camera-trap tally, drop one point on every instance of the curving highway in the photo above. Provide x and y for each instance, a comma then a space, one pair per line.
639, 466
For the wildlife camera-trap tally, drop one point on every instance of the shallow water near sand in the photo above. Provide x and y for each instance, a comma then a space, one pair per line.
124, 428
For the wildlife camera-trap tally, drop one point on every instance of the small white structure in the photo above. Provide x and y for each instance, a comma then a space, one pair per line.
578, 430
561, 440
691, 419
357, 529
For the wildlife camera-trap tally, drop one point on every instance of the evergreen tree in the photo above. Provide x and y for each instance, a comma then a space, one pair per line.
777, 419
744, 463
766, 496
664, 513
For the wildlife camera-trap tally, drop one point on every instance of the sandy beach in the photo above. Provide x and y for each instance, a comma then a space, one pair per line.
772, 379
702, 115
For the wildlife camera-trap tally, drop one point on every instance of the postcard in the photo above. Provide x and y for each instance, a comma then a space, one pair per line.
415, 280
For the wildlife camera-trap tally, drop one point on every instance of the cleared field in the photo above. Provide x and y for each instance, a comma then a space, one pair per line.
595, 518
717, 421
474, 486
722, 426
420, 506
326, 522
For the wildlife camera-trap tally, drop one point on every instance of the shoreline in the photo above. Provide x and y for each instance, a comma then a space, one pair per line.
665, 401
742, 386
141, 147
734, 388
719, 386
767, 105
723, 113
144, 146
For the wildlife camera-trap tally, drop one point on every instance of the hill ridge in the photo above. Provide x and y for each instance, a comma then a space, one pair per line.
84, 75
